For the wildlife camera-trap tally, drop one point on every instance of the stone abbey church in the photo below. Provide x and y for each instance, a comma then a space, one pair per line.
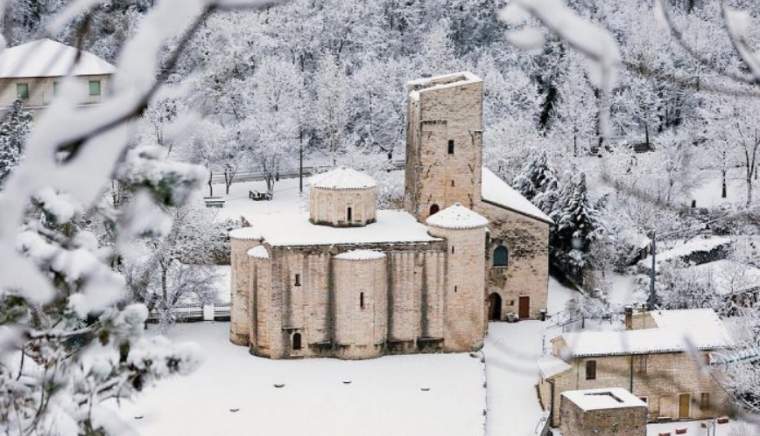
347, 280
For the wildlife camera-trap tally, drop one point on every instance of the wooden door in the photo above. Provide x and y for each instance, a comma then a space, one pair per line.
684, 406
494, 307
524, 307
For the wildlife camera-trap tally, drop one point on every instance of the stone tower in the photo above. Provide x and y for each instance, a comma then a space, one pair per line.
444, 143
463, 294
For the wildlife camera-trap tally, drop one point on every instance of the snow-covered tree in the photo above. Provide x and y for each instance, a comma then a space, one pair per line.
537, 178
14, 130
331, 111
575, 111
576, 221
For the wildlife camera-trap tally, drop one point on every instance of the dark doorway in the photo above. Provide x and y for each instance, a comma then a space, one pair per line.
297, 341
348, 215
524, 308
434, 209
494, 307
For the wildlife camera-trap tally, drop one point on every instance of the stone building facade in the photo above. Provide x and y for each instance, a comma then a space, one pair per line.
350, 281
33, 71
602, 412
649, 359
444, 166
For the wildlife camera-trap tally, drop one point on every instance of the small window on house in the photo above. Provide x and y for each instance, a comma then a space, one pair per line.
94, 87
361, 300
298, 280
591, 370
704, 401
348, 214
500, 257
297, 341
22, 90
451, 146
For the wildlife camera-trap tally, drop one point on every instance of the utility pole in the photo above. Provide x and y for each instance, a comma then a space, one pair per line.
300, 159
653, 274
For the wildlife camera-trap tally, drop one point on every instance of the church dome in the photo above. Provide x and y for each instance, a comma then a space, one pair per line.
457, 217
343, 197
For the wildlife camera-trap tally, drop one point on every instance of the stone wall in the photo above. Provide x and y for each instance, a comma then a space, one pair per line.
241, 276
41, 90
330, 206
464, 300
623, 421
658, 379
434, 175
527, 272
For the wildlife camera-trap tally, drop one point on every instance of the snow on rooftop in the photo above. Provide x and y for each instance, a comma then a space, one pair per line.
550, 366
497, 191
293, 229
457, 217
445, 79
48, 58
361, 255
603, 399
258, 252
728, 277
695, 245
248, 233
342, 178
676, 331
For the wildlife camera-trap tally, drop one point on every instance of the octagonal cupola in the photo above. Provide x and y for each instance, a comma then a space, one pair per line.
343, 197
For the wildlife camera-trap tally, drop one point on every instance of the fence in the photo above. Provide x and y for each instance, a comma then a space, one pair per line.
207, 312
307, 171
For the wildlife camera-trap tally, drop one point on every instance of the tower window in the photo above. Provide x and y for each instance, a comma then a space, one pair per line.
455, 288
452, 250
451, 146
452, 183
500, 257
298, 280
361, 300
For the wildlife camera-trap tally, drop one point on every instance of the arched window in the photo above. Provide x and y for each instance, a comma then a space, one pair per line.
434, 209
297, 341
500, 256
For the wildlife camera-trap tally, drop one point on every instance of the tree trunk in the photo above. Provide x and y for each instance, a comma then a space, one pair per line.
164, 288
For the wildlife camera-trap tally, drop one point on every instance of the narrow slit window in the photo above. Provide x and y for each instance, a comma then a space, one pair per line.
298, 280
361, 300
348, 215
591, 370
451, 146
452, 250
455, 289
452, 183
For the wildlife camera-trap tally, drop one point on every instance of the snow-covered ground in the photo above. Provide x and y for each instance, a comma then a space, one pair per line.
709, 194
693, 428
385, 396
287, 198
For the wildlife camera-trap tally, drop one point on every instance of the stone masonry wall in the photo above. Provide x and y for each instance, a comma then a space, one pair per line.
241, 286
624, 421
527, 272
435, 176
464, 299
330, 206
658, 379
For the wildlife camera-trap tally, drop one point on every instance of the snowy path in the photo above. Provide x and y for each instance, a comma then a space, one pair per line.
511, 352
384, 398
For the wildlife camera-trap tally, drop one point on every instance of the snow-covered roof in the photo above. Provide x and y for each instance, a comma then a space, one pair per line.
497, 191
361, 255
247, 233
698, 244
48, 58
342, 178
457, 217
550, 365
258, 252
444, 81
602, 399
294, 229
676, 331
728, 277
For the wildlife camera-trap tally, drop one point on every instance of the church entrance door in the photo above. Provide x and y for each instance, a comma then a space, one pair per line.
524, 308
494, 307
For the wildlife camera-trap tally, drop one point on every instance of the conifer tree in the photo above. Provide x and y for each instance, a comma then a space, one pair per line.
13, 133
537, 179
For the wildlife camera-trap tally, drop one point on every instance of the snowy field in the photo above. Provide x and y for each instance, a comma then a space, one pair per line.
287, 198
385, 396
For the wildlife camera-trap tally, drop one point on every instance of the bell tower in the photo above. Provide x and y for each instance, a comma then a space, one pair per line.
444, 143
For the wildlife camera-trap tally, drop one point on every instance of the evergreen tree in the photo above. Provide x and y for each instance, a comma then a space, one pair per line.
574, 216
537, 179
13, 133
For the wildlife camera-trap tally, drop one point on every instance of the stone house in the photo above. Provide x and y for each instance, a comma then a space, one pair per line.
34, 70
652, 359
350, 281
444, 166
602, 412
